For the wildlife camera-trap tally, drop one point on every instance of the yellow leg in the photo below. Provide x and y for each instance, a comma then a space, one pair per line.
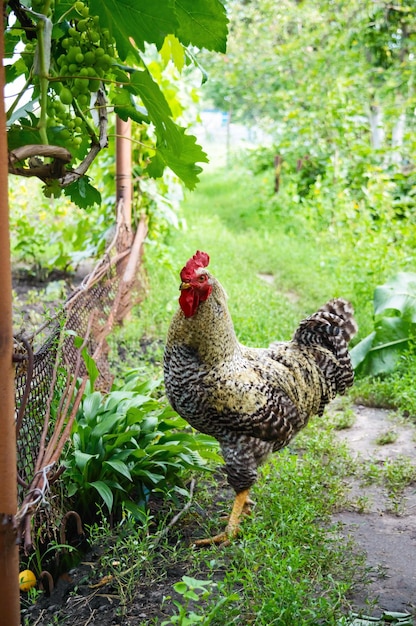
241, 503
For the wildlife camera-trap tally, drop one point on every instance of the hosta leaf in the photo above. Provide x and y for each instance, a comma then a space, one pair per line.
91, 366
149, 476
135, 510
107, 425
119, 467
82, 459
359, 352
149, 424
398, 294
91, 405
105, 493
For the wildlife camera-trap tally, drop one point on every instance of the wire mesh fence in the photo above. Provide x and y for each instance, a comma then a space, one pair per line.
50, 379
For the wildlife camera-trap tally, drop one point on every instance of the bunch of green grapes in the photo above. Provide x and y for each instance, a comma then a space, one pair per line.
69, 129
87, 52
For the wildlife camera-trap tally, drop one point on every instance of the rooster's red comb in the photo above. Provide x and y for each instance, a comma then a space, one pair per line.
200, 259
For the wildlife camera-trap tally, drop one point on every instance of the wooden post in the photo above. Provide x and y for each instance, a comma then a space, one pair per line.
123, 167
9, 553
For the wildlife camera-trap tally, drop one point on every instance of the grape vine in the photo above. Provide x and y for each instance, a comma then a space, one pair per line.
81, 59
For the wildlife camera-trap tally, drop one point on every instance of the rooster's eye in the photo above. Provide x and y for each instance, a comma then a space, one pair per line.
202, 278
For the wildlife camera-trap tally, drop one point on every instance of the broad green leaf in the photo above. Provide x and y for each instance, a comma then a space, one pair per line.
172, 49
92, 369
126, 107
359, 352
153, 99
107, 425
149, 424
196, 583
174, 149
202, 23
119, 467
82, 459
181, 158
135, 510
21, 136
91, 405
118, 439
390, 338
82, 193
398, 294
105, 493
148, 475
141, 20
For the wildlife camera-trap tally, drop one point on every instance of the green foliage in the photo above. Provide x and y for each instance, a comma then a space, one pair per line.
394, 326
352, 129
74, 50
195, 591
51, 235
127, 445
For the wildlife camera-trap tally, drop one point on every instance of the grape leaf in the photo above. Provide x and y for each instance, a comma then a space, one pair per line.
139, 19
22, 135
174, 148
182, 162
202, 23
125, 107
82, 193
173, 49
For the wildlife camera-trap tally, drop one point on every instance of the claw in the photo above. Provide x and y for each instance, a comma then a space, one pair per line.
241, 506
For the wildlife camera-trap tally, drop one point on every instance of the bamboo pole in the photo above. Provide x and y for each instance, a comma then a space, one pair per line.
123, 167
9, 554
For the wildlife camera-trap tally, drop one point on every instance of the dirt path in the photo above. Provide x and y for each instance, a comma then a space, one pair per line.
388, 539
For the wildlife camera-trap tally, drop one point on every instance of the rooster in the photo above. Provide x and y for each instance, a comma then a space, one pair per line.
252, 400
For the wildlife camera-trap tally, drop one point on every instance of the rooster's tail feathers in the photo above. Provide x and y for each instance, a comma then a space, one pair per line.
331, 327
343, 310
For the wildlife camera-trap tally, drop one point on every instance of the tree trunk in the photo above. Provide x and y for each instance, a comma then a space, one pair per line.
397, 139
376, 126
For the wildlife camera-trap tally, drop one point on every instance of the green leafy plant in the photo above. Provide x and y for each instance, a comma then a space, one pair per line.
193, 591
394, 326
128, 444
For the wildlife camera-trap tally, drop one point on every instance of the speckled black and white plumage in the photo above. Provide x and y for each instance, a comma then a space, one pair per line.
253, 401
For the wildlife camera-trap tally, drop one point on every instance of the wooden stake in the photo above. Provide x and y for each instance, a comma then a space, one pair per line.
9, 553
123, 167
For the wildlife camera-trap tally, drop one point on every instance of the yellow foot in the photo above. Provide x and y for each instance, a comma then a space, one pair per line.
223, 539
241, 505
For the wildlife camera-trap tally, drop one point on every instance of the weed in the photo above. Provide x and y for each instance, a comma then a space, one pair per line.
193, 592
389, 436
344, 419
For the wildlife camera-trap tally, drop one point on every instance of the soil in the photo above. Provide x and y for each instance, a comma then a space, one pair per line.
388, 540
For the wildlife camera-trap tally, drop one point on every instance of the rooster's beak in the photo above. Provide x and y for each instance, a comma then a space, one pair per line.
184, 286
